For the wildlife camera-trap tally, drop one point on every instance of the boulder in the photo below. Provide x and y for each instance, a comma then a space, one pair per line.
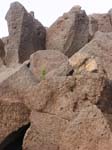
26, 34
43, 62
69, 33
13, 116
45, 132
88, 131
93, 26
63, 95
104, 22
100, 48
90, 58
20, 83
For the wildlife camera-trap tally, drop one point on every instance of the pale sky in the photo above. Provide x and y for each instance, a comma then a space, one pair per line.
47, 11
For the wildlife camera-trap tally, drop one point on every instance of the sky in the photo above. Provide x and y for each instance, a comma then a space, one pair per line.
47, 11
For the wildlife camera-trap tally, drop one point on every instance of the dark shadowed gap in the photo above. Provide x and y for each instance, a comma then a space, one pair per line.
70, 73
15, 140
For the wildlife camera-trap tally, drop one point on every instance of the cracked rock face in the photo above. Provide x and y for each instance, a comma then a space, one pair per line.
52, 102
45, 132
88, 131
13, 115
69, 33
2, 53
43, 62
103, 21
26, 34
101, 47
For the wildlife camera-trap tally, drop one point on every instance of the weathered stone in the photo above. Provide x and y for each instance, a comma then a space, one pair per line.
88, 131
104, 23
26, 34
18, 83
69, 33
2, 53
45, 132
100, 47
93, 26
110, 14
83, 61
13, 115
64, 70
42, 62
63, 95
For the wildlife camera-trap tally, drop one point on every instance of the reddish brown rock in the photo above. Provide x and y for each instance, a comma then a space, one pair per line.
88, 131
13, 116
101, 47
2, 53
63, 95
42, 62
104, 22
69, 33
93, 26
26, 34
45, 132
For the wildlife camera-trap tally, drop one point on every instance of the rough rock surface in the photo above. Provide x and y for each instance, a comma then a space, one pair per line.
13, 115
42, 62
45, 132
2, 53
62, 95
93, 26
101, 47
104, 22
69, 33
67, 101
26, 34
88, 131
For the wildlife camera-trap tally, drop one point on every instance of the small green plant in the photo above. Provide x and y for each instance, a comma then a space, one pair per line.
43, 73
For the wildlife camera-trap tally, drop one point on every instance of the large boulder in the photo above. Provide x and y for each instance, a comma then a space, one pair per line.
15, 84
93, 26
45, 132
13, 116
104, 22
88, 131
13, 112
100, 47
69, 33
63, 95
43, 62
26, 34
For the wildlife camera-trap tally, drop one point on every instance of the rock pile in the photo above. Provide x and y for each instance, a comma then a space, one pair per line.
56, 84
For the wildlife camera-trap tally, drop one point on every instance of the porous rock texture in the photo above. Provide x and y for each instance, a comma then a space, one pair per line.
88, 131
26, 34
45, 132
100, 47
2, 53
42, 62
104, 22
59, 98
69, 33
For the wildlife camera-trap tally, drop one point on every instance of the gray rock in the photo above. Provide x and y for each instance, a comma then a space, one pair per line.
69, 33
88, 131
45, 132
43, 62
104, 22
26, 34
101, 47
93, 26
2, 53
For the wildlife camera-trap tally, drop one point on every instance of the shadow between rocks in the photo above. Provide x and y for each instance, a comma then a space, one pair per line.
14, 141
